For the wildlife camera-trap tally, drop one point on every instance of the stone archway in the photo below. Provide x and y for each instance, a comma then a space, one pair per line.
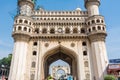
64, 54
55, 69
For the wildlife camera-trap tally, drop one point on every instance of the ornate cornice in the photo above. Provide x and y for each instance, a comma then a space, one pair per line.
24, 36
95, 17
43, 13
96, 36
60, 36
60, 22
20, 36
23, 17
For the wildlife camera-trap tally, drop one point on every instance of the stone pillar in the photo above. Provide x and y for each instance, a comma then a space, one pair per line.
39, 76
100, 60
79, 70
80, 66
18, 65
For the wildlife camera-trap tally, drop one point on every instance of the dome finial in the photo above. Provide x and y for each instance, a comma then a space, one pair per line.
78, 9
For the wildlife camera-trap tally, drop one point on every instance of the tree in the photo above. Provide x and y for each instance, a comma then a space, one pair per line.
6, 61
109, 77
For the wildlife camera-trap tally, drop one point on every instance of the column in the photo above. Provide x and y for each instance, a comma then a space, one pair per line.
99, 59
39, 63
18, 66
80, 62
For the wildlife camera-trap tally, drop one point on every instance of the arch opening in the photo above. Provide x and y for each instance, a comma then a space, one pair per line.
59, 70
63, 54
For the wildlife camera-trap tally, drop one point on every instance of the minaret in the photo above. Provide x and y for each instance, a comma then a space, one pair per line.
22, 30
92, 7
97, 33
26, 6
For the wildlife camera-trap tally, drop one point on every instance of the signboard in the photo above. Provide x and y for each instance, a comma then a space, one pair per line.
114, 66
114, 60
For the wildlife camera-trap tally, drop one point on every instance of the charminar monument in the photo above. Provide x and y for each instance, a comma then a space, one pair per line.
42, 37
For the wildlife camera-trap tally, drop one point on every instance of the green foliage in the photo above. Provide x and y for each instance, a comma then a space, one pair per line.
49, 77
6, 61
109, 77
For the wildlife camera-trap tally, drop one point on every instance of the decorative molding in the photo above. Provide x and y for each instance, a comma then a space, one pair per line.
72, 44
21, 37
46, 44
60, 36
97, 37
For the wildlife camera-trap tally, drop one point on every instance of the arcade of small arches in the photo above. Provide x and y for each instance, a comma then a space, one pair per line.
59, 28
67, 30
93, 21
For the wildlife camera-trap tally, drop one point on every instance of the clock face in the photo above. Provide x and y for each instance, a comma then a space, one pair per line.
60, 30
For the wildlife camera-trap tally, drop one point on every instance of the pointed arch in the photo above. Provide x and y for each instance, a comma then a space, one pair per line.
60, 48
63, 53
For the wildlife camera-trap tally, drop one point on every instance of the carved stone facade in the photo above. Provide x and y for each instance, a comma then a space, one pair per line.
56, 75
42, 37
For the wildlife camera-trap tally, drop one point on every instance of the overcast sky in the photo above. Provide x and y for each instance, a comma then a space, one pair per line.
110, 9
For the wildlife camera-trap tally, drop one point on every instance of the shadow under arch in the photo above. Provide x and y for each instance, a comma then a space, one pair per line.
63, 53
